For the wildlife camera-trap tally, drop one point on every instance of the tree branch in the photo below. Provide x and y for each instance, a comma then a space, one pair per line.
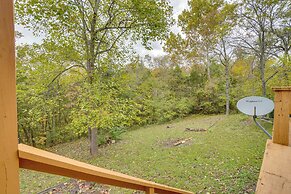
59, 74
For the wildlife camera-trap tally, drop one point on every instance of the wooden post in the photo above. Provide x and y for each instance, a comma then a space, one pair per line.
282, 111
9, 164
150, 191
275, 174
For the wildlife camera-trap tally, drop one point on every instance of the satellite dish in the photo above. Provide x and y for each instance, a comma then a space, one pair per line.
255, 105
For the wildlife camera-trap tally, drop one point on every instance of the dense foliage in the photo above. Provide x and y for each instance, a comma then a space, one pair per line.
120, 98
84, 74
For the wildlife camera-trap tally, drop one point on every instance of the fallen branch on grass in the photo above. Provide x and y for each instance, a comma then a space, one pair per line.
195, 130
182, 141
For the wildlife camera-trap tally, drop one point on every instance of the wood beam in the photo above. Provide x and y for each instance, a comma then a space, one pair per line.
39, 160
9, 165
281, 116
150, 191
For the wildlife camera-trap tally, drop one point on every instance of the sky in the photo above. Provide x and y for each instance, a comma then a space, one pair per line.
157, 50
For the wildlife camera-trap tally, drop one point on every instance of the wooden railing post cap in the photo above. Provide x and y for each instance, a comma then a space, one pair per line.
285, 88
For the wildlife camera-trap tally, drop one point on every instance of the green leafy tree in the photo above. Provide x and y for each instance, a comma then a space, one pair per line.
224, 48
94, 29
202, 24
265, 32
207, 26
42, 105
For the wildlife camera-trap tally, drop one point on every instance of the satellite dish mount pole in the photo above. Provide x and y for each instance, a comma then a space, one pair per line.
259, 125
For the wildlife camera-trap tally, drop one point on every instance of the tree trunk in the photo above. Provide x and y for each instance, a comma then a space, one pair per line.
227, 88
225, 61
262, 62
252, 77
208, 65
26, 135
262, 75
32, 138
93, 142
285, 64
89, 134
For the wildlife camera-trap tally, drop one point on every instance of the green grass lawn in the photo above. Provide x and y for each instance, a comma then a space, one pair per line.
224, 159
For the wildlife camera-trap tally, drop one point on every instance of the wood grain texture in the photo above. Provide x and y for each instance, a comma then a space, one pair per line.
284, 88
9, 177
281, 117
275, 174
150, 191
39, 160
290, 132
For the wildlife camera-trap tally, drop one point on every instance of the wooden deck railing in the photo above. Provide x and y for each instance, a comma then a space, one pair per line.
39, 160
281, 133
275, 173
13, 156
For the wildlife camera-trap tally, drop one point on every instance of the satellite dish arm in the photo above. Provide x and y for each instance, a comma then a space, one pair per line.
261, 127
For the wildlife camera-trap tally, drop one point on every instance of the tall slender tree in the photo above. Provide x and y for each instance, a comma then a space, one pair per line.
202, 23
255, 35
206, 26
280, 28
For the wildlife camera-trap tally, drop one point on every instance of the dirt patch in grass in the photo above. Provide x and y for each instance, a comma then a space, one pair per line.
247, 122
176, 142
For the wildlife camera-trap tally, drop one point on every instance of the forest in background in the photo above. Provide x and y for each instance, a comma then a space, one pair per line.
84, 75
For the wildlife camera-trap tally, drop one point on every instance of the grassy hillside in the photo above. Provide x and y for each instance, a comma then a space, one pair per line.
224, 159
